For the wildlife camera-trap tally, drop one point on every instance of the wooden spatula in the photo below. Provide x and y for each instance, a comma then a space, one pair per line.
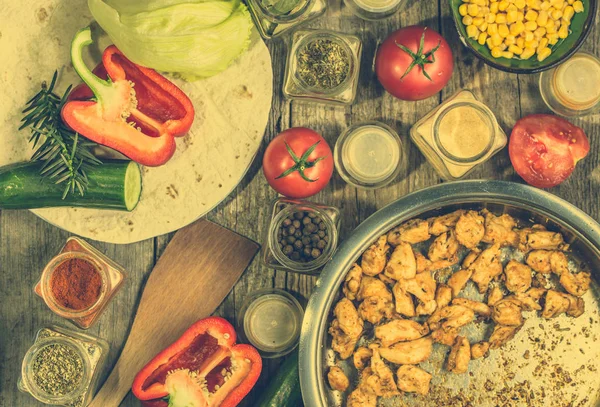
199, 267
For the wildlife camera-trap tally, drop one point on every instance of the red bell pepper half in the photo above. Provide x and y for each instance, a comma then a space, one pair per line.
203, 368
136, 111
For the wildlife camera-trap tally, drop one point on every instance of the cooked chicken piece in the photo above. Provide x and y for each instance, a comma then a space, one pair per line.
443, 224
469, 229
445, 336
556, 303
400, 330
452, 316
540, 280
503, 334
414, 231
478, 307
458, 280
536, 293
387, 384
508, 312
343, 344
374, 309
352, 283
348, 319
402, 263
480, 350
443, 296
373, 287
386, 279
422, 286
362, 397
374, 259
337, 379
408, 353
486, 267
470, 258
499, 229
362, 357
423, 263
413, 379
539, 260
537, 238
576, 284
559, 263
530, 299
460, 356
444, 247
576, 306
426, 308
369, 381
404, 301
495, 295
518, 277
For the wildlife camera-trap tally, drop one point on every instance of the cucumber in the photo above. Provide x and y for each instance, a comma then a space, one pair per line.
112, 185
284, 387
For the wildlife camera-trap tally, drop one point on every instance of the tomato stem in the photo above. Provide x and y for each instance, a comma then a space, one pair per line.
420, 59
302, 163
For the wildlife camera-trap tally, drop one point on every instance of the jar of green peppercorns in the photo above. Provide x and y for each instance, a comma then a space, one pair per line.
302, 236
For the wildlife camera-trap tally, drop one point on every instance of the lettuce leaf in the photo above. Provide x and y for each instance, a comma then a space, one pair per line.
195, 39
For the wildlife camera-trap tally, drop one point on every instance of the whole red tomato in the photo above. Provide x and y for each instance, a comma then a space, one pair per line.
414, 63
298, 163
544, 149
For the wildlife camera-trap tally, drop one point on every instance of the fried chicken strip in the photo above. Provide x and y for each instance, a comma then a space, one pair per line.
408, 353
338, 379
470, 229
412, 379
402, 263
352, 282
460, 356
375, 257
414, 231
400, 330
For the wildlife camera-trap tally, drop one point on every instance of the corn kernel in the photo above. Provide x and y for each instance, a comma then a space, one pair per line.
462, 10
531, 44
578, 6
517, 28
520, 4
490, 18
545, 5
501, 18
489, 43
511, 17
552, 39
512, 7
503, 5
482, 38
529, 36
531, 15
543, 54
521, 42
568, 13
503, 30
556, 14
520, 16
496, 40
543, 44
479, 2
477, 21
496, 52
515, 49
563, 32
536, 4
570, 1
472, 31
472, 9
558, 4
510, 40
494, 8
492, 29
550, 27
539, 33
507, 55
531, 26
527, 53
503, 46
467, 20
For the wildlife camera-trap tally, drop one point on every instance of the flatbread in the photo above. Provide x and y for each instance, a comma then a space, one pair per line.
232, 111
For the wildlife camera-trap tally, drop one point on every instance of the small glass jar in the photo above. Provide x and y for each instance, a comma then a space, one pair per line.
573, 88
271, 23
92, 351
111, 273
271, 320
374, 10
272, 251
367, 155
458, 135
296, 88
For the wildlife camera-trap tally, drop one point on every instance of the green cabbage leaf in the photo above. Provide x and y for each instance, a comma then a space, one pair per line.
195, 39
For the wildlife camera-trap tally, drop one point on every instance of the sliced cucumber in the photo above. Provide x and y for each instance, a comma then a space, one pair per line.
112, 185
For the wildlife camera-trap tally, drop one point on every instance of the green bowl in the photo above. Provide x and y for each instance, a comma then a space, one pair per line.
581, 25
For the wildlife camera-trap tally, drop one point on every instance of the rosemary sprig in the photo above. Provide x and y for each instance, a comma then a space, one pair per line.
66, 156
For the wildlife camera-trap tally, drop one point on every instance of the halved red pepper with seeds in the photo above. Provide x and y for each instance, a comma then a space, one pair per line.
136, 111
203, 368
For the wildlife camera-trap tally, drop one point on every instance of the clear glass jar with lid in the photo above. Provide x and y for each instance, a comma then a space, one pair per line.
322, 66
374, 9
573, 88
274, 17
458, 135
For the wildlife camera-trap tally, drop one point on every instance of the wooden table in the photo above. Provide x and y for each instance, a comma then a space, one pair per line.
27, 242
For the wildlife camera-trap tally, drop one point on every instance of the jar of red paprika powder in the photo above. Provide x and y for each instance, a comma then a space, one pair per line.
79, 282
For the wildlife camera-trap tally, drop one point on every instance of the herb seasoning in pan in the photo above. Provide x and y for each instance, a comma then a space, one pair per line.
323, 64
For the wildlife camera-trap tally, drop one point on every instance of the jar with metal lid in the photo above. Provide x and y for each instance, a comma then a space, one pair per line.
374, 9
62, 367
323, 66
302, 236
458, 135
368, 155
274, 17
573, 88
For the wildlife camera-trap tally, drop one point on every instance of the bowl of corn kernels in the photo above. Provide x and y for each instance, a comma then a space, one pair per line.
523, 36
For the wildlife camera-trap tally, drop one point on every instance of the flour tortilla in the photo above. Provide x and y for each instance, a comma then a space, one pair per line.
232, 111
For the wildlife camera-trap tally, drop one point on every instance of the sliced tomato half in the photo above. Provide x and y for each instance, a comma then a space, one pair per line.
544, 149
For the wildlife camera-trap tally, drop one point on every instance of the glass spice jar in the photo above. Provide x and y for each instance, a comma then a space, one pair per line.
302, 250
62, 367
374, 10
323, 66
79, 282
274, 17
458, 135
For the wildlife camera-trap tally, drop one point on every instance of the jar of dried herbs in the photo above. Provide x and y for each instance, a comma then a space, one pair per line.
274, 17
323, 66
61, 367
